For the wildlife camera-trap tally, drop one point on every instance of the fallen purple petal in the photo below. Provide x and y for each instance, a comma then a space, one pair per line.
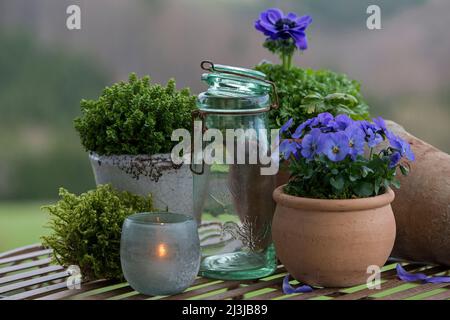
438, 279
288, 289
407, 276
411, 277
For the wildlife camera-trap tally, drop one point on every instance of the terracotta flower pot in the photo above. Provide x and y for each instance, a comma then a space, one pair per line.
330, 243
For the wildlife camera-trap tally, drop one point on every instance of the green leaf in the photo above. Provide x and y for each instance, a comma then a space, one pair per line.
308, 173
341, 98
364, 189
366, 171
309, 108
337, 182
396, 183
404, 170
377, 184
314, 97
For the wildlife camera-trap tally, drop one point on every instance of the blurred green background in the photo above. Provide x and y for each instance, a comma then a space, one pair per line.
45, 69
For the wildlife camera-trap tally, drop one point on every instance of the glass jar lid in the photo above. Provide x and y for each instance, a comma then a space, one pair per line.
233, 88
234, 81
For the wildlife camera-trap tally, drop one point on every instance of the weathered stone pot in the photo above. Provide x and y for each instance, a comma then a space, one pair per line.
330, 243
169, 184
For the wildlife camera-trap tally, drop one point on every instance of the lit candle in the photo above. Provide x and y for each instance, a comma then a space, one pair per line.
160, 252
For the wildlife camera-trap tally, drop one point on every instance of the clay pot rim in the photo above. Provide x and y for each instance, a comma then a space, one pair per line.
332, 205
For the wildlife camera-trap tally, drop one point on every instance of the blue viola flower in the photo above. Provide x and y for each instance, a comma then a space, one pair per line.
342, 121
336, 146
275, 25
289, 148
286, 126
379, 121
312, 144
322, 119
331, 126
394, 159
302, 127
356, 140
401, 146
373, 138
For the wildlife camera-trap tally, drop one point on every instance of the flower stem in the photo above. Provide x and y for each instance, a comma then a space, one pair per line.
286, 61
283, 60
289, 61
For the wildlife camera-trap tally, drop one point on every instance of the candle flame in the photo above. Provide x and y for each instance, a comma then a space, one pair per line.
162, 250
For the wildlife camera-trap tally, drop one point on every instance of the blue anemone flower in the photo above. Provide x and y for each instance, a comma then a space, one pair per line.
276, 25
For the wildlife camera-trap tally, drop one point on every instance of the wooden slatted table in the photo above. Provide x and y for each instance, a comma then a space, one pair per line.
27, 273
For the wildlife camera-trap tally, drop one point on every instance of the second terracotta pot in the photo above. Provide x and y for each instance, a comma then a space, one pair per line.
331, 243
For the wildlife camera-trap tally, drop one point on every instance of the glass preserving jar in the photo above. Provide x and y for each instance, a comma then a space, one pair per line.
232, 200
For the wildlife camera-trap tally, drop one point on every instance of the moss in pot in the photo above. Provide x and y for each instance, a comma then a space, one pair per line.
333, 218
127, 132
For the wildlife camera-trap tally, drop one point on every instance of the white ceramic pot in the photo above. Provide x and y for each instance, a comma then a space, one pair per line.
169, 184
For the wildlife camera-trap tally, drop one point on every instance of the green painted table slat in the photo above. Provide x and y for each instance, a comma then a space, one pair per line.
27, 273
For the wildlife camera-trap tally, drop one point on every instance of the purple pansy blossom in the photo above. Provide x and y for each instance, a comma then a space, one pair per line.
288, 148
342, 121
336, 146
275, 25
380, 123
373, 138
339, 136
356, 140
322, 119
330, 126
301, 128
394, 159
401, 146
312, 144
286, 126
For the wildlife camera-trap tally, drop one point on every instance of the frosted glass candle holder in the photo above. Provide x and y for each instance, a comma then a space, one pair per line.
160, 252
